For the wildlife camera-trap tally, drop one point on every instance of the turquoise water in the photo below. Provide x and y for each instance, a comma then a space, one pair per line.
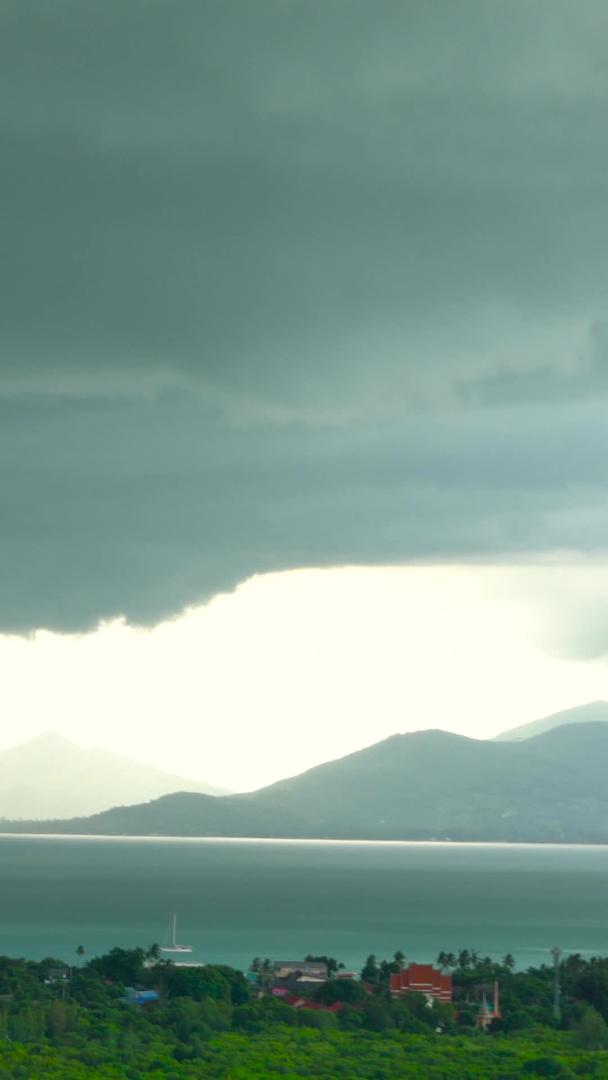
282, 899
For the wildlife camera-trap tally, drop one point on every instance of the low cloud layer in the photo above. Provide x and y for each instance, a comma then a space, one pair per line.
295, 283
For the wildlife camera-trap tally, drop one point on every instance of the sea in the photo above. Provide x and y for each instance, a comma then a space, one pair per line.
282, 899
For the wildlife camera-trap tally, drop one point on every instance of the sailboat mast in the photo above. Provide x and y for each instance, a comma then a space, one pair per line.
174, 928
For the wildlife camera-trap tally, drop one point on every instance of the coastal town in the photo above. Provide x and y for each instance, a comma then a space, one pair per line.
304, 984
131, 1012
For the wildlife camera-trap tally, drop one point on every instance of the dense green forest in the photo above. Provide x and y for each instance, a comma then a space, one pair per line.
60, 1023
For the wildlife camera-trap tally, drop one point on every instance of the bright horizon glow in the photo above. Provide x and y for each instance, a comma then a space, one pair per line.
296, 668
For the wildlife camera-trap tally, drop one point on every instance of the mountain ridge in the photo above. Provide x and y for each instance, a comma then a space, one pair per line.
433, 785
579, 714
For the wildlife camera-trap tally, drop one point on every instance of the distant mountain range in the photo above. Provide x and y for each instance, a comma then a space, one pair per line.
420, 786
581, 714
51, 777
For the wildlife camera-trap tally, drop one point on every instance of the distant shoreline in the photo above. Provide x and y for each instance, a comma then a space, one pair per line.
303, 840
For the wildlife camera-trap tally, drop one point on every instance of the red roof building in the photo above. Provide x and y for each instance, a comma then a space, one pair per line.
423, 979
305, 1003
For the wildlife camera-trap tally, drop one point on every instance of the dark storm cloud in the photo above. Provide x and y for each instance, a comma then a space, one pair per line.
287, 283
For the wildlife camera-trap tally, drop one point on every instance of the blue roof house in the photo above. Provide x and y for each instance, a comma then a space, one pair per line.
139, 997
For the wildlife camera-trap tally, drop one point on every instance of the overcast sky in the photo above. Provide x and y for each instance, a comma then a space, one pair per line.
298, 284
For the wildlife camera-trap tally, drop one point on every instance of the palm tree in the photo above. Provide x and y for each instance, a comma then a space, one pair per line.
450, 960
80, 951
508, 961
442, 961
400, 959
371, 971
386, 970
464, 959
475, 958
256, 969
266, 973
153, 952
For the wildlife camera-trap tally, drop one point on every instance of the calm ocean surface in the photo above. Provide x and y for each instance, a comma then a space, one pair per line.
238, 899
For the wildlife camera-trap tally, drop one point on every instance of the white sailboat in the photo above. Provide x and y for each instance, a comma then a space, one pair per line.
174, 947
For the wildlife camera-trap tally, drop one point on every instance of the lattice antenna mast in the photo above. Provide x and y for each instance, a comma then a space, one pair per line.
556, 953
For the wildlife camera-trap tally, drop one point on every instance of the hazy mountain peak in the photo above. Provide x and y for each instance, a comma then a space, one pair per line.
46, 738
579, 714
51, 777
47, 746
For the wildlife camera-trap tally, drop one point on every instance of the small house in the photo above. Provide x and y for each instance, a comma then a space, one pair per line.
310, 969
140, 997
